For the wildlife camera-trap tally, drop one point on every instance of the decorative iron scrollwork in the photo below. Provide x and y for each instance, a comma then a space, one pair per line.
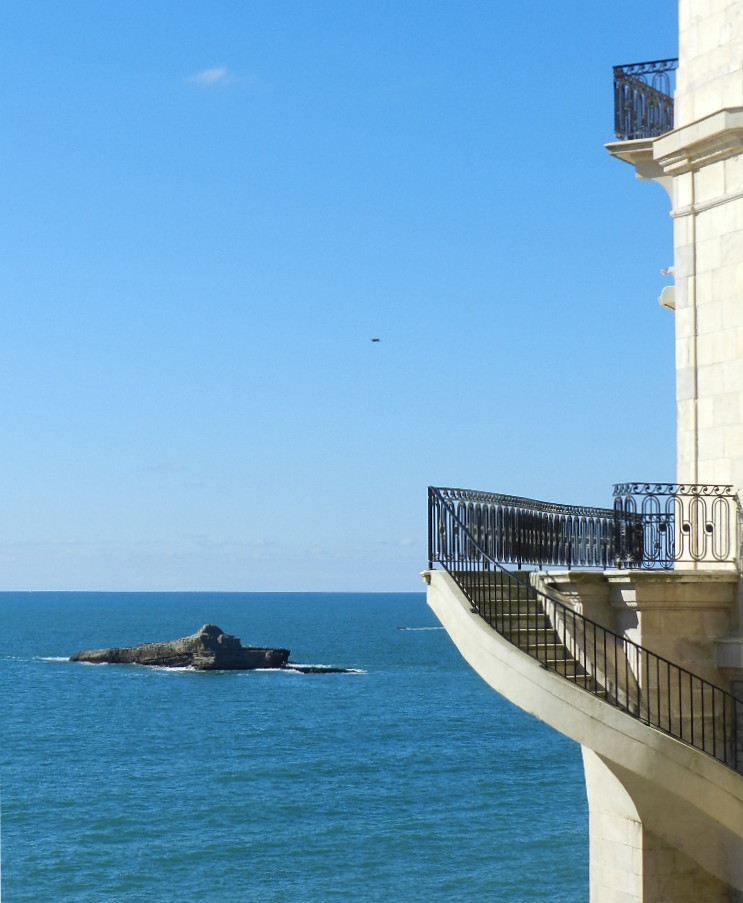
643, 99
682, 523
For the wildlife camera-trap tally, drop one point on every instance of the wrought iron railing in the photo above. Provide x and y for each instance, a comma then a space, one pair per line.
688, 524
628, 676
652, 525
643, 99
525, 531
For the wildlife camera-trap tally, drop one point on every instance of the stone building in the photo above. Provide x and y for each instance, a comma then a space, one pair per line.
623, 627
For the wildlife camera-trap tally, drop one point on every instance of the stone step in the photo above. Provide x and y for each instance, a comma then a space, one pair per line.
513, 605
533, 634
588, 682
548, 652
476, 582
516, 612
529, 633
567, 667
528, 627
525, 621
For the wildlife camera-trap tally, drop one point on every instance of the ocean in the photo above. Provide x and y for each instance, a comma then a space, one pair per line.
408, 780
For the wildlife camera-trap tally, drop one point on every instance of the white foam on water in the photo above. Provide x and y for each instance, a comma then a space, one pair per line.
92, 664
51, 658
295, 666
420, 628
168, 669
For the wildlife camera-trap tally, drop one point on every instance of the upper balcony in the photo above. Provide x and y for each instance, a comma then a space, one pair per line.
643, 99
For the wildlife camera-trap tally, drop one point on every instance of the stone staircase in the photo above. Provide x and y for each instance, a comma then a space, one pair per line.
521, 615
516, 611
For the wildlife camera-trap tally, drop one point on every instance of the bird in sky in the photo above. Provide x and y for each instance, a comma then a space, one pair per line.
375, 340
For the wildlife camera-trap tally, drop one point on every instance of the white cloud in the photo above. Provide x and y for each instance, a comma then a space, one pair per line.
218, 75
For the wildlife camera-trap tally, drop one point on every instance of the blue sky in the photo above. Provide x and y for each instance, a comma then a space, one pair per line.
211, 208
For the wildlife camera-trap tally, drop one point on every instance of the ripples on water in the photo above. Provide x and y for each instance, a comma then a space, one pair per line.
410, 780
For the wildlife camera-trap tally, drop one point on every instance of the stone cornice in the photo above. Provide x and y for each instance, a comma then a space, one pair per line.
674, 590
638, 151
679, 575
706, 141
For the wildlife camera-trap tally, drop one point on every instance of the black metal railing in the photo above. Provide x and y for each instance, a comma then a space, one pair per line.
525, 531
644, 685
688, 524
652, 526
643, 99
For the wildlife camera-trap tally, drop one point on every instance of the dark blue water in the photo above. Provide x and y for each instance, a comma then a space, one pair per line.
410, 781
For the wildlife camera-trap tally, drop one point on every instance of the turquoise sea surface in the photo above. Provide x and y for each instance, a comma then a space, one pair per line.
410, 780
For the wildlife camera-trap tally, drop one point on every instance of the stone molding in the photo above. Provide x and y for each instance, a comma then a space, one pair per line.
709, 588
714, 589
639, 153
709, 140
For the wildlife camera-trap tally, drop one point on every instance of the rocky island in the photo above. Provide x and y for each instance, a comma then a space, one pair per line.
209, 649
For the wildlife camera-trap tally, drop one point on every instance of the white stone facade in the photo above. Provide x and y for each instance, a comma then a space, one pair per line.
704, 158
710, 74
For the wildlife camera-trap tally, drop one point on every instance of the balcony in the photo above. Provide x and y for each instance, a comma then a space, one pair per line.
473, 536
643, 99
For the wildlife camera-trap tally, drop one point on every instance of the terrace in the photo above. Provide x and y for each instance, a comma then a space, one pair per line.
495, 548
